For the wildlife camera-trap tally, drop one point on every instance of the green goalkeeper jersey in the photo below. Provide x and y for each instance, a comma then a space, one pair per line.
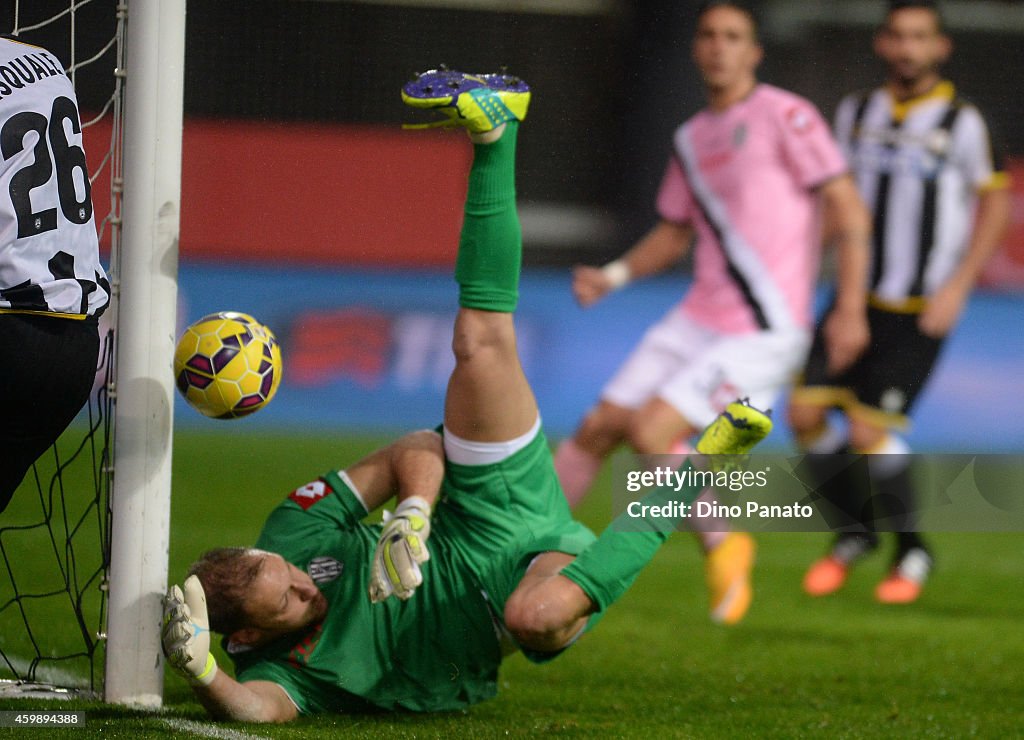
441, 649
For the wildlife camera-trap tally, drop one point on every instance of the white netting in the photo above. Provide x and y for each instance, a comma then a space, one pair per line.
55, 535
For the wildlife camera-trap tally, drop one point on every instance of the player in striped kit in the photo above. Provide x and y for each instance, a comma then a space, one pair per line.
52, 286
745, 179
924, 162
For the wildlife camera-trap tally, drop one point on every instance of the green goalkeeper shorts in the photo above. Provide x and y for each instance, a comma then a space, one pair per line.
499, 516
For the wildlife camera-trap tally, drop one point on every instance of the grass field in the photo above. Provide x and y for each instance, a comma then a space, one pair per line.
951, 665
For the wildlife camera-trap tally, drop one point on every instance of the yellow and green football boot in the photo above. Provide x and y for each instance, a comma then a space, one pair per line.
478, 103
728, 566
735, 431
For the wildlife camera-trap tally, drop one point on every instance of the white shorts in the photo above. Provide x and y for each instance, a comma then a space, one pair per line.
467, 452
698, 371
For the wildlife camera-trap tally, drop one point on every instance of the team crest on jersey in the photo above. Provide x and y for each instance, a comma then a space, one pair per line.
310, 493
938, 142
324, 569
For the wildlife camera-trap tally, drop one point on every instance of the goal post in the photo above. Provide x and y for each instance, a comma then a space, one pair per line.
151, 207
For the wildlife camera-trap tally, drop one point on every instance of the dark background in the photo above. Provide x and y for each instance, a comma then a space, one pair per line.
610, 86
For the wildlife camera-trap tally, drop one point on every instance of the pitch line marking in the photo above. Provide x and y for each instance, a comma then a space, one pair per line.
208, 730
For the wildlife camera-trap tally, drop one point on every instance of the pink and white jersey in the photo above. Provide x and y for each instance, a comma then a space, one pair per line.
745, 179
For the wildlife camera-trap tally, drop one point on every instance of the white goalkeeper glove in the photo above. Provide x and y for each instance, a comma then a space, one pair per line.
186, 633
401, 549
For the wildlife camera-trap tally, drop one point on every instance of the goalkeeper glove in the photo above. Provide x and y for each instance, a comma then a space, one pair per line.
186, 633
401, 549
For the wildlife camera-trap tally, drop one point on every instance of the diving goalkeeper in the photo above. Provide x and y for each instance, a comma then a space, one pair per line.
327, 614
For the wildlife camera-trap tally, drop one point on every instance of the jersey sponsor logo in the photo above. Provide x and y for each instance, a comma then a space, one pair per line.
310, 493
913, 161
324, 569
904, 152
716, 159
937, 141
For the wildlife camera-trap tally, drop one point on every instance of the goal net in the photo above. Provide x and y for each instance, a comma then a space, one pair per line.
83, 552
55, 535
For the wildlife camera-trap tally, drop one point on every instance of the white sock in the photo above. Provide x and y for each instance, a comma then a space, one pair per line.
828, 442
890, 457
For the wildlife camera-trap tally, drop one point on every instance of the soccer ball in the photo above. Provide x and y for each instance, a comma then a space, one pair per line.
227, 365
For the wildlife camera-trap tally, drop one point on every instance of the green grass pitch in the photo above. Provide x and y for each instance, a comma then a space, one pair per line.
951, 665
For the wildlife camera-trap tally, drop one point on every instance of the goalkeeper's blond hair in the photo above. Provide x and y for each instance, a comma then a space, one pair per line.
226, 574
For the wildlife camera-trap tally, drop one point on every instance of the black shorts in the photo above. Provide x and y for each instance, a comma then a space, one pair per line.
888, 377
48, 369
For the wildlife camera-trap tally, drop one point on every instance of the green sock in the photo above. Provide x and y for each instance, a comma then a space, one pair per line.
607, 568
491, 242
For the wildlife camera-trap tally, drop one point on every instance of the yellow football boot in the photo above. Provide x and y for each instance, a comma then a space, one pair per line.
735, 431
728, 566
478, 103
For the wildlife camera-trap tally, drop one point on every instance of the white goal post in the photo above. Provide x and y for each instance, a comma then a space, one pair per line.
151, 207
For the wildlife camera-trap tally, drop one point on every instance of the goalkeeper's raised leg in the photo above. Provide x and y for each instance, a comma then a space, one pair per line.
482, 552
491, 417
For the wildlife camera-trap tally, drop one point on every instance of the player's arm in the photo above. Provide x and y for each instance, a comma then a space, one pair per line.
185, 638
847, 227
991, 220
411, 469
659, 249
252, 701
412, 466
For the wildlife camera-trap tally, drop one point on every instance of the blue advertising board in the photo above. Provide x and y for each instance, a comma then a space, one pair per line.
369, 351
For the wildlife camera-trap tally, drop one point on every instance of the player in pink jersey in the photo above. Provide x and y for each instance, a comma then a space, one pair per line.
745, 180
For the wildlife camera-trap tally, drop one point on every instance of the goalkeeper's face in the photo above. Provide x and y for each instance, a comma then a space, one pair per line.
283, 599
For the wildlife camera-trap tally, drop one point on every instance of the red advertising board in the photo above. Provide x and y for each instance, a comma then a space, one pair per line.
308, 193
357, 195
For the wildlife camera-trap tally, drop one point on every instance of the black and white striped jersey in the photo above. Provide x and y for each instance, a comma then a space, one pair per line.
919, 165
49, 255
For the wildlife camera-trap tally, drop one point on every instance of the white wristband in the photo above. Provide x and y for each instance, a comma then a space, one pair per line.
414, 502
617, 274
209, 672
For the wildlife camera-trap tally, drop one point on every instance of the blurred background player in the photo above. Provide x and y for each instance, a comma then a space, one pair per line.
52, 286
503, 570
925, 164
745, 178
